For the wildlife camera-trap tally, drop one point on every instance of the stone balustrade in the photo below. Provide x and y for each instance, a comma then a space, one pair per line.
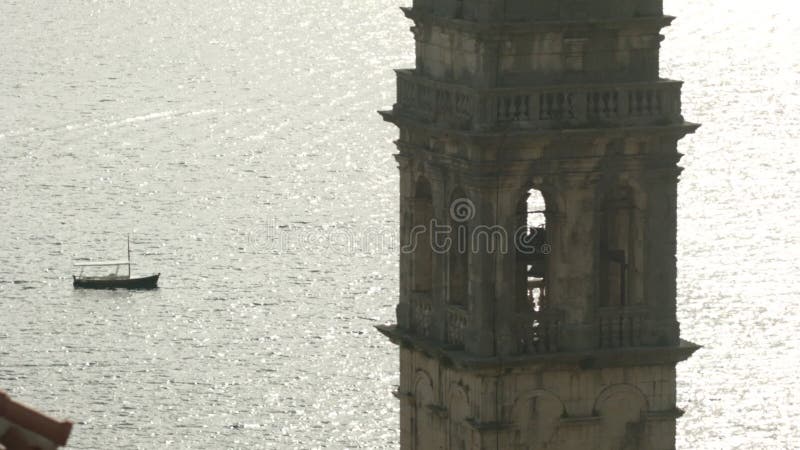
620, 326
544, 107
456, 324
538, 331
422, 313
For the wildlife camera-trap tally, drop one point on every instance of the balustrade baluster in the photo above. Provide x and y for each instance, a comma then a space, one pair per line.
542, 101
625, 330
636, 331
615, 103
631, 104
658, 102
526, 107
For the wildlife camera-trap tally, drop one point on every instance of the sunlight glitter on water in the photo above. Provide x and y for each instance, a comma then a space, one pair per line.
200, 127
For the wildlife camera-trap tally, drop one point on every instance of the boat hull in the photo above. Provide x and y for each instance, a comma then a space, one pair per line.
150, 282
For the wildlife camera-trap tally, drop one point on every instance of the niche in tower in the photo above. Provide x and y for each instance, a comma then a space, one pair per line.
422, 261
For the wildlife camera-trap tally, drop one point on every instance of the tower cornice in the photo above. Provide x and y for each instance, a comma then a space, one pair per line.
496, 29
582, 360
522, 135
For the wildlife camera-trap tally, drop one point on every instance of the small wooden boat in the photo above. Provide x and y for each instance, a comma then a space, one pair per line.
115, 279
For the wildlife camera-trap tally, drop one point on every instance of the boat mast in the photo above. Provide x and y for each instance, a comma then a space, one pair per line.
129, 255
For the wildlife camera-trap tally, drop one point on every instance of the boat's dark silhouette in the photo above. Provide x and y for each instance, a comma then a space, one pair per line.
149, 282
113, 280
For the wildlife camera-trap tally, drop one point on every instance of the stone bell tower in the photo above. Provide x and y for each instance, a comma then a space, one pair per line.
538, 160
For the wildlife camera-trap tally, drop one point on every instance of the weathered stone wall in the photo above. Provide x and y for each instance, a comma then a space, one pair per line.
545, 54
554, 407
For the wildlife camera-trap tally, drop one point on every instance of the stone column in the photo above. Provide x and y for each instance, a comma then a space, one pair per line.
507, 272
483, 300
441, 211
573, 275
403, 308
660, 284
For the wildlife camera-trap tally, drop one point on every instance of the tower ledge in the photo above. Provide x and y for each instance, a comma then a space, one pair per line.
510, 134
588, 359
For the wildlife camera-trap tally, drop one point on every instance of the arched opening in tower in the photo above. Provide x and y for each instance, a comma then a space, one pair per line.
534, 248
537, 319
